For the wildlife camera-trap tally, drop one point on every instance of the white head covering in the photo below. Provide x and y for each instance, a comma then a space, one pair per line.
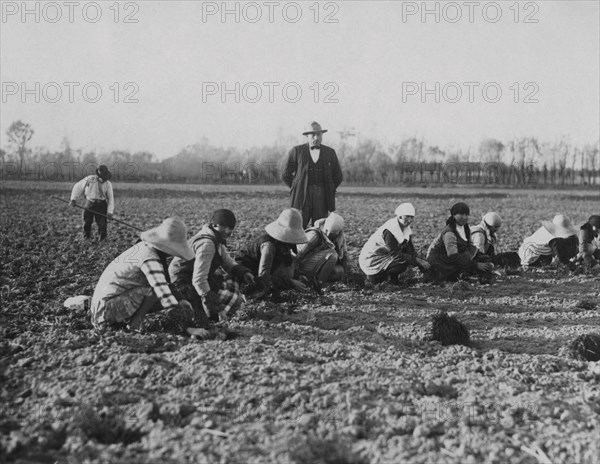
405, 209
333, 224
492, 219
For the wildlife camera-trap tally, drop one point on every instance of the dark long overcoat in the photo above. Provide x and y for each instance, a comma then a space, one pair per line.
295, 174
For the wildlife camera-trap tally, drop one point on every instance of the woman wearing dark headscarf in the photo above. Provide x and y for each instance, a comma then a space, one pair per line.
589, 241
451, 253
211, 279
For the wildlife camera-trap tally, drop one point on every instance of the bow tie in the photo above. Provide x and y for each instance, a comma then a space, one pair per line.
315, 147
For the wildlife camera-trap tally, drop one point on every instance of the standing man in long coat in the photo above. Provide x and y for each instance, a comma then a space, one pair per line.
312, 172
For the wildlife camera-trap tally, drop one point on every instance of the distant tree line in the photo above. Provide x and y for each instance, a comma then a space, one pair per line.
365, 161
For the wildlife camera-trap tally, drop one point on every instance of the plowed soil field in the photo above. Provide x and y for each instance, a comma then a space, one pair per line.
347, 377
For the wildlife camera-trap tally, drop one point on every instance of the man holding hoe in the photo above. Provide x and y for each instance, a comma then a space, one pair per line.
99, 200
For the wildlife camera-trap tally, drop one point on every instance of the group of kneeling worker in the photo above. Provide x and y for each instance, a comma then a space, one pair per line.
204, 278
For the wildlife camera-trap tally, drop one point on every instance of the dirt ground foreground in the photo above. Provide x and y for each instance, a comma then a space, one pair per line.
347, 377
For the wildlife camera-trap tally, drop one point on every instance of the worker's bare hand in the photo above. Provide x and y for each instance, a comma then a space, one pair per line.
485, 267
423, 264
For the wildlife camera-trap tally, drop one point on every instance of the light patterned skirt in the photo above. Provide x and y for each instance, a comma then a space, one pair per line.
118, 308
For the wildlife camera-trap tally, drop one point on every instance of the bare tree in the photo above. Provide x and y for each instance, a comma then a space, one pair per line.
412, 149
490, 151
561, 153
345, 143
573, 161
19, 134
434, 155
582, 163
592, 156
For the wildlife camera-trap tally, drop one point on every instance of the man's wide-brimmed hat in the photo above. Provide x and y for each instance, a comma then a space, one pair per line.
288, 227
170, 237
560, 226
314, 128
103, 172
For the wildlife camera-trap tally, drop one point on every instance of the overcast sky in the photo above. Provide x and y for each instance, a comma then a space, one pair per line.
368, 65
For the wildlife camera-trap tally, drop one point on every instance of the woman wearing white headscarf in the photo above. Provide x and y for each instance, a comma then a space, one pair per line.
390, 251
484, 238
483, 235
